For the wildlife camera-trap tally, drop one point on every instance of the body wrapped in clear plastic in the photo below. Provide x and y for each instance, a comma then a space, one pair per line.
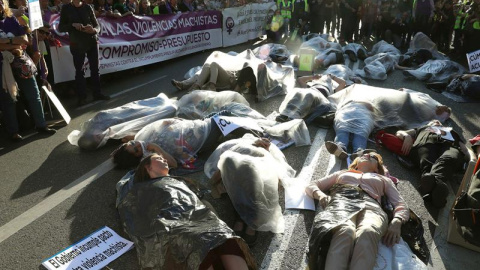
378, 66
383, 47
406, 109
301, 101
211, 166
200, 103
278, 53
345, 73
250, 175
422, 41
436, 71
271, 78
355, 117
181, 138
358, 49
119, 122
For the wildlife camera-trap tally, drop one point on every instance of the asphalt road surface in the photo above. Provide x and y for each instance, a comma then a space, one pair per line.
54, 194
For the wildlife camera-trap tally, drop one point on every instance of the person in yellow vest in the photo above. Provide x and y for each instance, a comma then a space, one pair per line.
471, 33
276, 27
285, 7
460, 13
165, 7
300, 15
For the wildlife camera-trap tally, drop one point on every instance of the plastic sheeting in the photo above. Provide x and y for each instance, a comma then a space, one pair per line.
191, 72
284, 170
295, 130
355, 117
170, 226
436, 71
344, 204
314, 35
405, 109
121, 121
272, 78
201, 103
330, 56
242, 110
317, 43
469, 86
359, 50
346, 201
181, 138
422, 41
301, 101
278, 53
378, 66
250, 176
345, 73
383, 47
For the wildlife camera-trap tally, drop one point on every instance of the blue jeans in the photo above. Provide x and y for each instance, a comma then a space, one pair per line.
78, 61
342, 138
28, 88
318, 111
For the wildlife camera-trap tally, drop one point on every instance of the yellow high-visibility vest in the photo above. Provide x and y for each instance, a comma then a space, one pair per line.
285, 8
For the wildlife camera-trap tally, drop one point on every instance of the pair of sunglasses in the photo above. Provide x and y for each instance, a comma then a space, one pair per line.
374, 157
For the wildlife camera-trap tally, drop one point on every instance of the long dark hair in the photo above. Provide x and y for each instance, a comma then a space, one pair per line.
247, 75
141, 173
123, 159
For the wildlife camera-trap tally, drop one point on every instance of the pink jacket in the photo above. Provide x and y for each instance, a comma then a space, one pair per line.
374, 184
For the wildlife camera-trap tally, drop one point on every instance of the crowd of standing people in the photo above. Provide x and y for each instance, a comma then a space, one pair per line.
395, 21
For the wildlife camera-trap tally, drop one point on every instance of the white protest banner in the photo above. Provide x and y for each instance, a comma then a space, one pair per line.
228, 124
34, 14
57, 104
474, 61
241, 24
93, 252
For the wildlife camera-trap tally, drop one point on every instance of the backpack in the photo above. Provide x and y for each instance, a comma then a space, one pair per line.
389, 141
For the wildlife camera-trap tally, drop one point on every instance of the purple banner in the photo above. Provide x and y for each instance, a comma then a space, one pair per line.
132, 28
134, 41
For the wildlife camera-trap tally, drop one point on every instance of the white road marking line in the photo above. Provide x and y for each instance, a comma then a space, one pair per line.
279, 244
438, 249
53, 200
122, 92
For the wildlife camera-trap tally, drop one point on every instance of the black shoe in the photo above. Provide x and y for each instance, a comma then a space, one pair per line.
282, 118
101, 97
16, 138
427, 184
81, 102
46, 130
405, 162
352, 56
439, 194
